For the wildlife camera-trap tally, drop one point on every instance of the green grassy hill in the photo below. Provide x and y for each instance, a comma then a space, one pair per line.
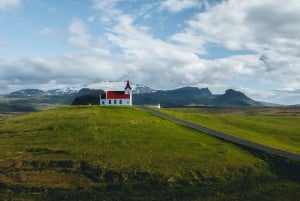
275, 127
114, 153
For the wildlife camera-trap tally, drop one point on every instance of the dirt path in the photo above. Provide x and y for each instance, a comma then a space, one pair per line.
224, 136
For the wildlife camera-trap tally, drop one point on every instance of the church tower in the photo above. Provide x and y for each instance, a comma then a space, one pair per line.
128, 90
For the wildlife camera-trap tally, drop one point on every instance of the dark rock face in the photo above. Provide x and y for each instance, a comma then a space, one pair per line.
93, 99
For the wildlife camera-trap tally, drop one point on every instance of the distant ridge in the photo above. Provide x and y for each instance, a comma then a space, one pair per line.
234, 98
38, 92
82, 90
194, 96
185, 96
28, 92
177, 97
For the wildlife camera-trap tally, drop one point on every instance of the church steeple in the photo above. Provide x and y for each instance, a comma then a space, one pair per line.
128, 85
128, 90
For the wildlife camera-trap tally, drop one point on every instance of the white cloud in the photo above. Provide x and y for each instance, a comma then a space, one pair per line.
91, 19
147, 10
266, 28
152, 57
9, 4
176, 6
87, 66
255, 25
108, 10
190, 41
48, 31
173, 64
78, 33
143, 58
102, 5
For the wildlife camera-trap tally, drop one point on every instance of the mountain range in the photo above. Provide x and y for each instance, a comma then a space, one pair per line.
142, 95
82, 90
185, 96
193, 96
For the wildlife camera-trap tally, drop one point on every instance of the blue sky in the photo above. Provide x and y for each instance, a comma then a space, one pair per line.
252, 46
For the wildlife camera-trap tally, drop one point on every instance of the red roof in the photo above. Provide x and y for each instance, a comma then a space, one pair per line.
117, 95
128, 85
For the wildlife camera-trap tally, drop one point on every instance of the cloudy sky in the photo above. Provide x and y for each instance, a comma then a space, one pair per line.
249, 45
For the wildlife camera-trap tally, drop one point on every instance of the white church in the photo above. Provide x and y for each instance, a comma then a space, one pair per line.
117, 98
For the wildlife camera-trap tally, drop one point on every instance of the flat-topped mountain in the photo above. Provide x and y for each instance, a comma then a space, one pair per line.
232, 97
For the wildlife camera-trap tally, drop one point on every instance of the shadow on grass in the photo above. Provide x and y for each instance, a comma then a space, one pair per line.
124, 186
282, 167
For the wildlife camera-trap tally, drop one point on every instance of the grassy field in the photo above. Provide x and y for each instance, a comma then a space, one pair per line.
11, 104
274, 127
114, 153
7, 115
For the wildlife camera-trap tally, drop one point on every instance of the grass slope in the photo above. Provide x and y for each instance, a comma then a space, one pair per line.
114, 153
9, 103
274, 127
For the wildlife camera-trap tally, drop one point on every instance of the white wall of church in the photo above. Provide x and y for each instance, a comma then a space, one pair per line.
115, 102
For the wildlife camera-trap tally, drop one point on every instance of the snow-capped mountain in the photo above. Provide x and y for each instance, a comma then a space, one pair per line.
65, 91
142, 89
119, 86
38, 92
106, 85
